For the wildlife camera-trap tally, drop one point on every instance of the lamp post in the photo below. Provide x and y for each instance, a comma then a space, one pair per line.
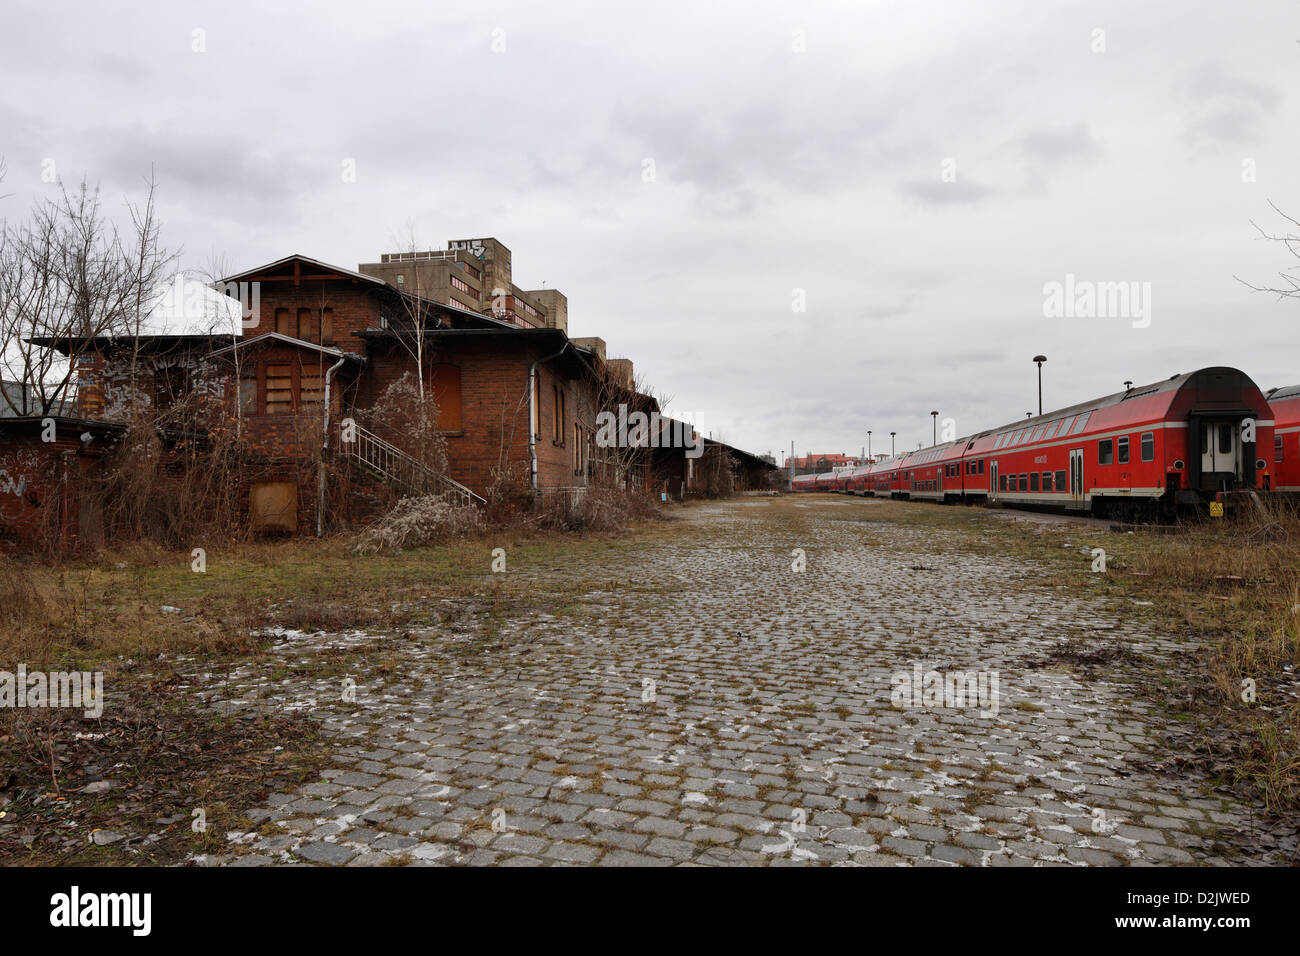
891, 443
1039, 360
934, 429
868, 442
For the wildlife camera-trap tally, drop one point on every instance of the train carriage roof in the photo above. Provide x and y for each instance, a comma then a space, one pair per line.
1205, 389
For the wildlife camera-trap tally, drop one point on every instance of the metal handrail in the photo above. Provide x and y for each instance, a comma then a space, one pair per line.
394, 465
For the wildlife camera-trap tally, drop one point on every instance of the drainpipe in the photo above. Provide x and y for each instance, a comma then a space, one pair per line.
324, 448
533, 415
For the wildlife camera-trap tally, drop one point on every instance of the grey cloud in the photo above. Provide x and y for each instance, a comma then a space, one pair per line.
936, 192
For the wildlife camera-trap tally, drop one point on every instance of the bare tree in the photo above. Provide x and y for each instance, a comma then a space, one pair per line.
1289, 286
68, 275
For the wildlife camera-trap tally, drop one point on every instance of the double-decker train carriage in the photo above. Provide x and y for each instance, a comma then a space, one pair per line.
1183, 441
1285, 403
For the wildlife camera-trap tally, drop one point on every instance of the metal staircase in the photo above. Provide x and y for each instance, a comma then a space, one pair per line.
389, 463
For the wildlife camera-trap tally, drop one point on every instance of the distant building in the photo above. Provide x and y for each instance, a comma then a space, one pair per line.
820, 464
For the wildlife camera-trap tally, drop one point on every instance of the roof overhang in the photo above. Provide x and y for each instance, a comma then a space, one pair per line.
268, 338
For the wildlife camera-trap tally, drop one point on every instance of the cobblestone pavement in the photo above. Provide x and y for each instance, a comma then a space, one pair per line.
701, 702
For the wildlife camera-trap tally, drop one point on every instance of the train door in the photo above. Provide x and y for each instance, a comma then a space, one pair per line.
1076, 478
1220, 455
993, 481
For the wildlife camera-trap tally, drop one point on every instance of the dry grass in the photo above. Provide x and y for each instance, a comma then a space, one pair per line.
1234, 584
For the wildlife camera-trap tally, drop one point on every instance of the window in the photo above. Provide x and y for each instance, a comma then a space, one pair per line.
248, 392
1024, 482
444, 383
327, 326
1123, 450
557, 429
1105, 452
1225, 438
1277, 447
1037, 435
1047, 481
577, 448
1060, 481
1033, 481
1002, 482
1065, 425
537, 406
279, 389
459, 284
283, 322
1051, 429
1080, 423
1148, 446
306, 326
311, 388
980, 465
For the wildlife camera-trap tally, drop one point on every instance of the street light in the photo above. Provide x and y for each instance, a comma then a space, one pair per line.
891, 443
868, 442
934, 430
1039, 360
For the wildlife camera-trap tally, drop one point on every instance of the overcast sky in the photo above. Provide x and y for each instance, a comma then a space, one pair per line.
687, 174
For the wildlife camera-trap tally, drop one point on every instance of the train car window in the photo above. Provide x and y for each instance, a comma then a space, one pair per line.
1047, 481
1033, 481
1225, 438
1024, 482
980, 463
1065, 425
1060, 481
1205, 438
1148, 446
1002, 482
1122, 451
1277, 447
1105, 452
1080, 423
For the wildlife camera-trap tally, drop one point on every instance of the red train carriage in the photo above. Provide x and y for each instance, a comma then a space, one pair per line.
936, 474
1285, 403
1180, 441
803, 483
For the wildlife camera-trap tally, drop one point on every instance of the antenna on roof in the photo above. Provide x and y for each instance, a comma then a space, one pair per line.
1128, 385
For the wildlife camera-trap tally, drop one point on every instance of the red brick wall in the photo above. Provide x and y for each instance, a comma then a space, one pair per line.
355, 307
40, 489
494, 408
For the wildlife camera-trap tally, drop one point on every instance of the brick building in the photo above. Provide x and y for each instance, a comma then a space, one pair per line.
320, 346
517, 398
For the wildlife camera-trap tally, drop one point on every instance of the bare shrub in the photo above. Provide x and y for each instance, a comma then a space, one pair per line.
406, 416
419, 522
597, 509
175, 477
716, 472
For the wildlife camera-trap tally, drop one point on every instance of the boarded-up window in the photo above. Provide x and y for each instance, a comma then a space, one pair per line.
311, 388
536, 422
327, 326
284, 324
307, 327
279, 389
273, 506
557, 428
445, 383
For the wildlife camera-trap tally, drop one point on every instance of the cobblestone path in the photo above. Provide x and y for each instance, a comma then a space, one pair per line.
698, 701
